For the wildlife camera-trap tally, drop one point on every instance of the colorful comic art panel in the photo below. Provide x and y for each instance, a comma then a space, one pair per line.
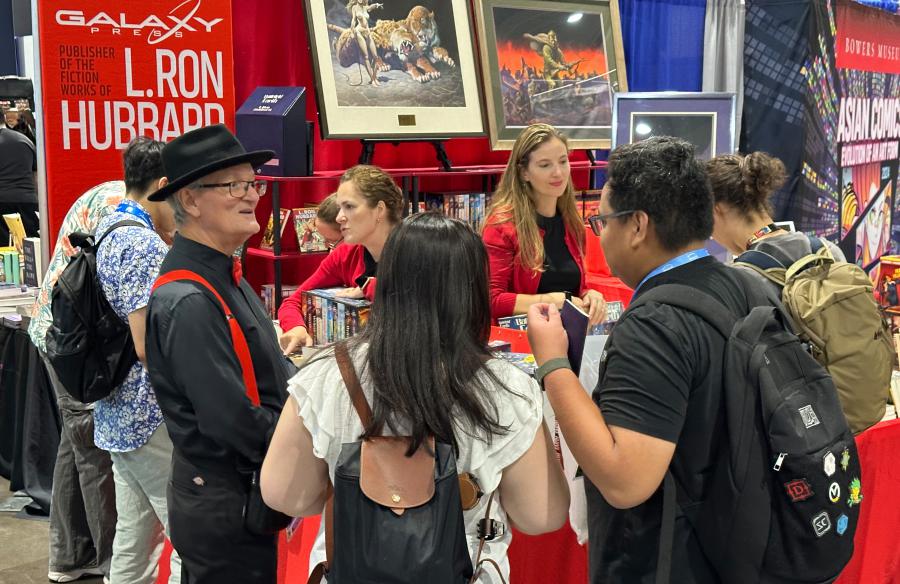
553, 67
873, 233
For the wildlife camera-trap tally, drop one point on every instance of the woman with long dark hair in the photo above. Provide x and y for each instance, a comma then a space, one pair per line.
425, 368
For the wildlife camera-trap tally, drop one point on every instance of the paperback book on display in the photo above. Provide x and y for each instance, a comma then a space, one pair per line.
268, 238
12, 266
33, 267
267, 293
308, 239
468, 207
331, 318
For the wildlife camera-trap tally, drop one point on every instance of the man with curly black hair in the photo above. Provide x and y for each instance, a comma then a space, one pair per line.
658, 405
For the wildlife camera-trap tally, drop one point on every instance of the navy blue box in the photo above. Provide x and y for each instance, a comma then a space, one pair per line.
274, 118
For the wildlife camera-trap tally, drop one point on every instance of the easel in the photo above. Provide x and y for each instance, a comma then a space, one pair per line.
368, 149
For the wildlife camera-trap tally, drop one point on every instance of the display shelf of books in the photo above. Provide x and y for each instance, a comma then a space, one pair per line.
270, 248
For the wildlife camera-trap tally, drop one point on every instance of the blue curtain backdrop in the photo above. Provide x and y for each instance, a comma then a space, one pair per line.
892, 6
663, 44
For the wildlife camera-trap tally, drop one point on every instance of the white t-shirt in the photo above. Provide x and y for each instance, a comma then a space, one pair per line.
328, 415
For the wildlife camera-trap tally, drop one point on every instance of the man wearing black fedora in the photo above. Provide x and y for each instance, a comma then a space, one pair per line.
204, 380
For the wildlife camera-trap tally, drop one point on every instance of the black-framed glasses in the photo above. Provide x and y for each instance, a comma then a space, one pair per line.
237, 188
598, 222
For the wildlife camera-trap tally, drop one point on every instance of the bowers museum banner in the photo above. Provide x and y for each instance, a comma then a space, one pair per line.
827, 101
112, 70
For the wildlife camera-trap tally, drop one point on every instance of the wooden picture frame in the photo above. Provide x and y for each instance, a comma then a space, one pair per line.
553, 62
426, 83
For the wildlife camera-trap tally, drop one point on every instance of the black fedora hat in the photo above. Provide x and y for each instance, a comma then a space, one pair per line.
203, 151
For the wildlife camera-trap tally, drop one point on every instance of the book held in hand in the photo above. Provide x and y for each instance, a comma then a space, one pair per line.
575, 321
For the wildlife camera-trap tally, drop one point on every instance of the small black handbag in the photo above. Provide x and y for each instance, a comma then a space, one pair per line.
259, 518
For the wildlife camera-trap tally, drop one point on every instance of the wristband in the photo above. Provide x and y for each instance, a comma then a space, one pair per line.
549, 367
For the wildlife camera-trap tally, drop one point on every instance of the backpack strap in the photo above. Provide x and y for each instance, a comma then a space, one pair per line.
717, 315
81, 239
667, 530
820, 255
238, 340
766, 265
692, 300
815, 243
483, 537
351, 381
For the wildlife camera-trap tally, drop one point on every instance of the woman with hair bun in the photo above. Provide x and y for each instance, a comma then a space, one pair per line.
742, 185
369, 207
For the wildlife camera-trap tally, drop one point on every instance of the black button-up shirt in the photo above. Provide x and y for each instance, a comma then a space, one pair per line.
195, 371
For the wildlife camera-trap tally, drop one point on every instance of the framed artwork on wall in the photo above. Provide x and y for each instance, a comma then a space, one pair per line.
706, 120
553, 62
394, 69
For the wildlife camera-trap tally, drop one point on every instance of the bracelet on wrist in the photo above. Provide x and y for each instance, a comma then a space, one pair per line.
549, 367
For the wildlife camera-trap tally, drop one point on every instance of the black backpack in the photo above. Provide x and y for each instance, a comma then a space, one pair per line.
783, 498
89, 345
394, 519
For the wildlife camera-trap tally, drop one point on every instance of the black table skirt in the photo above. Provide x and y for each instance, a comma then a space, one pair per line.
29, 418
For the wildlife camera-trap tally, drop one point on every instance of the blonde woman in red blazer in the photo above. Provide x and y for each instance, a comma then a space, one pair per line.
534, 233
371, 206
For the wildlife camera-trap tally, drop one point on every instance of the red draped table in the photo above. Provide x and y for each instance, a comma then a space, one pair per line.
876, 557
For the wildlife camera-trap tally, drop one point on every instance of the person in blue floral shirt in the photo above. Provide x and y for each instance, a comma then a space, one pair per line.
128, 423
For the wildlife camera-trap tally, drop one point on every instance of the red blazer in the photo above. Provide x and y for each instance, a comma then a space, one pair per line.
508, 276
342, 267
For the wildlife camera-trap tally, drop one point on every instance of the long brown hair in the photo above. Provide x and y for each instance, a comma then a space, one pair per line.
513, 199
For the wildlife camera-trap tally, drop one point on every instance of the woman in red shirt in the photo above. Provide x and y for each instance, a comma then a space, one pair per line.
371, 205
534, 233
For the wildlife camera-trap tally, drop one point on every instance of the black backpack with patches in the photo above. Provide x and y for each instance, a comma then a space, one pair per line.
89, 345
783, 497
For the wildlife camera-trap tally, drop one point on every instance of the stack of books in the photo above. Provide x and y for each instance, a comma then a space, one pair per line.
330, 318
267, 293
11, 266
15, 301
468, 207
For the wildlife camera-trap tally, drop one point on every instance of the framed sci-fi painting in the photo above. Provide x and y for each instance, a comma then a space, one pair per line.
394, 69
554, 62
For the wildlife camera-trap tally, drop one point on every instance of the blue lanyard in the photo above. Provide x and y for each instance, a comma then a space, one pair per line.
681, 260
132, 208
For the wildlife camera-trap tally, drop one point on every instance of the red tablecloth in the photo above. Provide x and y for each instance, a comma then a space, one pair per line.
876, 557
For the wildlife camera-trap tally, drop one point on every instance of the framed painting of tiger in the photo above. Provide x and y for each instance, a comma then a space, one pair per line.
395, 68
554, 62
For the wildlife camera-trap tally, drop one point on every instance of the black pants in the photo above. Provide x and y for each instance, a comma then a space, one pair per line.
207, 528
28, 211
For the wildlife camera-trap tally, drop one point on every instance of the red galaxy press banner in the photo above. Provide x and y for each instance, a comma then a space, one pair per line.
867, 39
112, 70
